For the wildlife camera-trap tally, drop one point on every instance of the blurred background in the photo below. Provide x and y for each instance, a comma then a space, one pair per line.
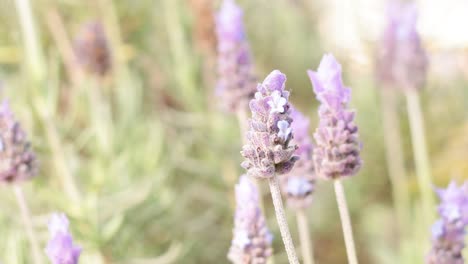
134, 149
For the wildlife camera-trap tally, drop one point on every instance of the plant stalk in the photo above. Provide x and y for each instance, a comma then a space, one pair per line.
418, 137
394, 156
26, 217
34, 57
304, 236
282, 222
64, 46
60, 163
345, 222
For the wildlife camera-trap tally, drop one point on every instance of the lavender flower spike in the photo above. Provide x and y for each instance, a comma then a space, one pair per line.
92, 49
448, 233
401, 59
268, 150
337, 151
60, 248
252, 239
236, 83
298, 184
17, 160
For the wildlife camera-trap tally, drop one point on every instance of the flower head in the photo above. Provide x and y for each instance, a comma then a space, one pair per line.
300, 127
17, 161
284, 129
328, 85
277, 102
92, 49
337, 150
401, 59
60, 249
448, 233
268, 150
236, 83
298, 185
229, 21
58, 223
252, 240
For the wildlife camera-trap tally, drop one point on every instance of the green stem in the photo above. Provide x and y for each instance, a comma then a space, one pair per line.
420, 152
64, 46
281, 219
304, 236
395, 161
345, 222
26, 216
184, 66
34, 56
109, 14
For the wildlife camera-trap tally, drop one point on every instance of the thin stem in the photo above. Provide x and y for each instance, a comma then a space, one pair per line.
304, 236
184, 66
108, 11
68, 181
418, 137
26, 216
32, 48
281, 218
345, 222
395, 162
64, 46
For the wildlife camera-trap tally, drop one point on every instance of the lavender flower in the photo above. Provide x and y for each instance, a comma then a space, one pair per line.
60, 248
298, 184
92, 49
448, 233
268, 151
401, 59
337, 151
236, 83
17, 161
58, 223
252, 239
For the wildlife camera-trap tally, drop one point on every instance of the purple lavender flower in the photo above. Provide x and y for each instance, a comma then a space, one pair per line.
298, 184
336, 153
60, 248
268, 150
236, 83
17, 161
252, 239
92, 49
401, 59
448, 233
58, 223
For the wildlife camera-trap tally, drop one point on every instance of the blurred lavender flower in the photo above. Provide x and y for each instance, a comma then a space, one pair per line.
448, 233
268, 151
401, 59
17, 160
298, 184
60, 248
92, 49
337, 151
236, 83
252, 239
58, 223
